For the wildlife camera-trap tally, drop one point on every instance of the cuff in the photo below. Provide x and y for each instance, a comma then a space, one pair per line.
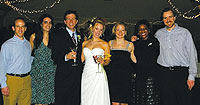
191, 77
3, 85
66, 58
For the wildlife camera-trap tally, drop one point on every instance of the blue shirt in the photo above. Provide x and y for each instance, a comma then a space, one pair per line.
15, 57
177, 49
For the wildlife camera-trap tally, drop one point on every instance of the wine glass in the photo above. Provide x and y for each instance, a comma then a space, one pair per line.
74, 62
96, 57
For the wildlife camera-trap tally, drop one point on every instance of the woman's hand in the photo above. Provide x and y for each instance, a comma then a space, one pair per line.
100, 60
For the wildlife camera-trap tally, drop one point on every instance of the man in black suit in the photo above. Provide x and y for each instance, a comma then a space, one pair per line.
68, 75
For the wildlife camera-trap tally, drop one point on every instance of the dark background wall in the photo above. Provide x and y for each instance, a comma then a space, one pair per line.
129, 11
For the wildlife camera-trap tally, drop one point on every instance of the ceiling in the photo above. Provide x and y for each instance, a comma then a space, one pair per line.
128, 10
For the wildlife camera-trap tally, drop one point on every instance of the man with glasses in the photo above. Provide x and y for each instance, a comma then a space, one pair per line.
177, 59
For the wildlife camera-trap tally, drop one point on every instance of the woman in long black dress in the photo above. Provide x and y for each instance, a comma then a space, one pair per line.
120, 68
146, 52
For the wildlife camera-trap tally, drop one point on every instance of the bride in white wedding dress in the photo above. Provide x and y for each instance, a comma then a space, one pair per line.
94, 83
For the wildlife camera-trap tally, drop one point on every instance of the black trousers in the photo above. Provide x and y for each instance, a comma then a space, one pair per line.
68, 89
173, 85
64, 97
1, 99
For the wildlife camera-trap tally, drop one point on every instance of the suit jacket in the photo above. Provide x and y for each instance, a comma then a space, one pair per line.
66, 74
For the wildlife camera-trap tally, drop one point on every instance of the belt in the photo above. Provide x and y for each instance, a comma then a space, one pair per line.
175, 67
19, 75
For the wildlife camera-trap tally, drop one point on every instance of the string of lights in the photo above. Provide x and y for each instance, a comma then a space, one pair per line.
30, 11
198, 1
23, 12
184, 15
16, 1
110, 23
27, 17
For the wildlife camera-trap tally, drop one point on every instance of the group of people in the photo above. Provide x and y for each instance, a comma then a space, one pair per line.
65, 68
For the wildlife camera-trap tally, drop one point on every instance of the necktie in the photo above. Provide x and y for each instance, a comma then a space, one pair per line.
73, 39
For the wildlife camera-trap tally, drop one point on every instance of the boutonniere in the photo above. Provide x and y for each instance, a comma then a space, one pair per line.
149, 44
79, 37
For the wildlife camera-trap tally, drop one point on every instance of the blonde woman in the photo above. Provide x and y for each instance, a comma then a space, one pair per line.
121, 67
94, 84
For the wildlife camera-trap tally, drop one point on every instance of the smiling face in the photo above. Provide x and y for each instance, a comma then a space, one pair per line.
70, 21
143, 31
169, 19
120, 31
46, 24
19, 28
97, 30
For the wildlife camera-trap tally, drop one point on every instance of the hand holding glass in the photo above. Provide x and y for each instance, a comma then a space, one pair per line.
96, 60
74, 55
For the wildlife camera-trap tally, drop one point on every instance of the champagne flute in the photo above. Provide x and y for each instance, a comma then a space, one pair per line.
74, 62
96, 57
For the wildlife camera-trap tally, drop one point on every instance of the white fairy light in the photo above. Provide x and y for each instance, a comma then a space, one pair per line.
184, 15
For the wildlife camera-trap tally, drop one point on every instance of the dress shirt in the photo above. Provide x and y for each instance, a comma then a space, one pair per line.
75, 36
70, 33
15, 58
177, 49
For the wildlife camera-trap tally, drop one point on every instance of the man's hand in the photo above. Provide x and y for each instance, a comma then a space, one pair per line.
71, 55
5, 91
190, 84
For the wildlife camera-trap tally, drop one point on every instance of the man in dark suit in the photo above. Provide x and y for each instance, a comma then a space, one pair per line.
68, 75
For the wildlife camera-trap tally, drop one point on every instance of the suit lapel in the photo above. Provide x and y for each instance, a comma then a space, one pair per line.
70, 39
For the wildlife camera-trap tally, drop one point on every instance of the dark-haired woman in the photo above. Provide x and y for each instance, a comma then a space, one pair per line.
43, 68
146, 52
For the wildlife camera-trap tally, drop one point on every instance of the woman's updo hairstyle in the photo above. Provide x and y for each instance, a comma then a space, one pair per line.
95, 21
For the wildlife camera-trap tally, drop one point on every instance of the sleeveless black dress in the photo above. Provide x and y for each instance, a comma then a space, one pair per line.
119, 73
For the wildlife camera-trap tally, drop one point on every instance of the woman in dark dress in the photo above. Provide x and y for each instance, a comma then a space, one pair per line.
146, 52
120, 69
43, 68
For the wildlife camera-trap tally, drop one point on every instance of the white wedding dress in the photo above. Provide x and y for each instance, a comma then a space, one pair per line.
94, 85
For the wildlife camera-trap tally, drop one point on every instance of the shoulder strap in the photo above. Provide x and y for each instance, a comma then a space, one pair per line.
127, 46
111, 45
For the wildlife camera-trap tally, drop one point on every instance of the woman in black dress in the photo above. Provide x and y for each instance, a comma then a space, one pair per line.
120, 68
146, 52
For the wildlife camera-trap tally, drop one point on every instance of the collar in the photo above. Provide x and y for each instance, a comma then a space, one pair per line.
18, 40
175, 28
70, 32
